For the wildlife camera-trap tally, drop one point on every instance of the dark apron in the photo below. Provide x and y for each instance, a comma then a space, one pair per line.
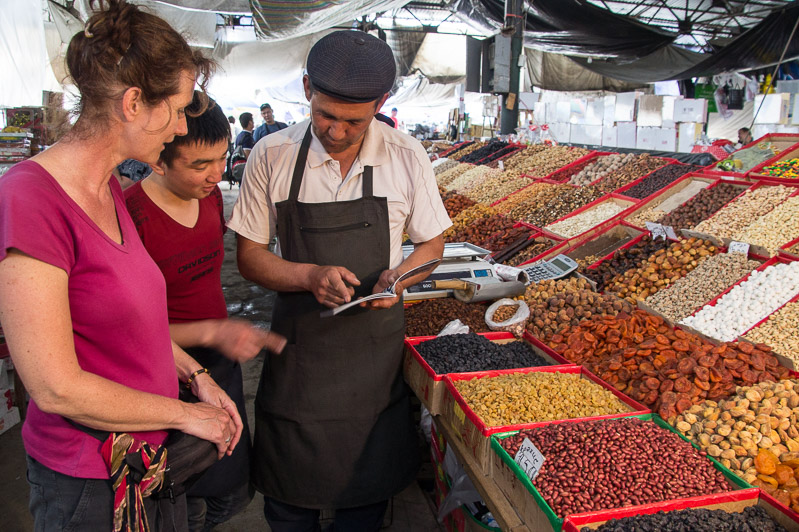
333, 424
231, 472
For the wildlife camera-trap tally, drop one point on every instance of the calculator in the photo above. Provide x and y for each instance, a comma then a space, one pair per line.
556, 268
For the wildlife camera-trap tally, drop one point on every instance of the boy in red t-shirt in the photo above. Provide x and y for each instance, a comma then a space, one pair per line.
178, 212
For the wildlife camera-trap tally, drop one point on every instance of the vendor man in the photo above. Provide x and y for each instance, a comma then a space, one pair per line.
333, 423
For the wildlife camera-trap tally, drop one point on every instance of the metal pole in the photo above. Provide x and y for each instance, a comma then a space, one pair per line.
509, 118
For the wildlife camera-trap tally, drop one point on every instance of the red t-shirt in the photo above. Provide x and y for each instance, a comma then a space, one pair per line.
117, 302
189, 257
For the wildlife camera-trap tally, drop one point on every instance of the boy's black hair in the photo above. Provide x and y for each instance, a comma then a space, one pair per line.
245, 119
208, 128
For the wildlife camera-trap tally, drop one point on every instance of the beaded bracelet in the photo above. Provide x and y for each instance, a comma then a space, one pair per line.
195, 375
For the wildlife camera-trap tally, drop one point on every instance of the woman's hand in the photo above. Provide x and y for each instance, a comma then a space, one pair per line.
219, 418
239, 340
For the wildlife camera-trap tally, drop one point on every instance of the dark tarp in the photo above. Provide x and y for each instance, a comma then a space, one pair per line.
759, 47
559, 73
576, 27
661, 65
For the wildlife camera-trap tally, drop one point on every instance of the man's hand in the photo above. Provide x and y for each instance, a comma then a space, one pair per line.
239, 340
332, 285
387, 277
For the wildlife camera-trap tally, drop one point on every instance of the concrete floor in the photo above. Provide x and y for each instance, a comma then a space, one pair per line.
413, 509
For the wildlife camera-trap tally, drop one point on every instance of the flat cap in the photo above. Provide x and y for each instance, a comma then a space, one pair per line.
352, 66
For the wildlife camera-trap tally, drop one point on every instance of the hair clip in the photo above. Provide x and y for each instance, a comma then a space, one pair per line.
87, 32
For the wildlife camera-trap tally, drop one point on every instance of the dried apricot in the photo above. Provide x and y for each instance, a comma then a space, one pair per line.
682, 385
746, 347
765, 462
771, 481
783, 473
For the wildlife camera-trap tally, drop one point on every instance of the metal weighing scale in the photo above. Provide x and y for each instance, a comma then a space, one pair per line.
461, 260
556, 268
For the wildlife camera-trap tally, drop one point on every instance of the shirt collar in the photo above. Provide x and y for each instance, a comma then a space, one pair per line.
373, 150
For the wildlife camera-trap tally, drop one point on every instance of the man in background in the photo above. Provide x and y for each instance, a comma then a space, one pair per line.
245, 138
269, 125
744, 137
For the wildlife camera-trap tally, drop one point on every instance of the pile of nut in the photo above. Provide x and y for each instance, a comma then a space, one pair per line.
481, 230
446, 165
447, 176
738, 214
598, 465
506, 237
708, 280
516, 164
659, 179
588, 219
794, 249
666, 369
455, 203
534, 249
542, 203
701, 207
625, 259
555, 304
497, 187
780, 331
600, 167
774, 229
469, 216
545, 162
472, 177
747, 303
531, 397
649, 214
429, 316
661, 269
637, 166
755, 433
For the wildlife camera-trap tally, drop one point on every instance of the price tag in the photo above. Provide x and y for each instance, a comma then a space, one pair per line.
657, 230
529, 458
738, 247
670, 232
501, 165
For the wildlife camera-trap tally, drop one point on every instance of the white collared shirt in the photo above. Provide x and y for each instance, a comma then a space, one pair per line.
402, 174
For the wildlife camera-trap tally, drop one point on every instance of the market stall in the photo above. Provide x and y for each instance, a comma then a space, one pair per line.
676, 331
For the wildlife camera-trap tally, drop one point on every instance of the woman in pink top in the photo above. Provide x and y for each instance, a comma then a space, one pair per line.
82, 304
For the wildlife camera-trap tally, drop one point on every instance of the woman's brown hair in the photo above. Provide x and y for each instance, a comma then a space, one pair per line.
123, 46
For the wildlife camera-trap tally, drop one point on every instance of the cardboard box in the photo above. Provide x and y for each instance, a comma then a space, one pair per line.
650, 111
625, 108
609, 114
9, 419
609, 136
581, 134
626, 134
689, 110
774, 110
668, 111
563, 111
540, 112
560, 131
665, 139
645, 138
687, 135
595, 112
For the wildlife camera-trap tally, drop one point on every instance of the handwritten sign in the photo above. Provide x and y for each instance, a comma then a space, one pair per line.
738, 247
670, 232
502, 166
657, 230
529, 458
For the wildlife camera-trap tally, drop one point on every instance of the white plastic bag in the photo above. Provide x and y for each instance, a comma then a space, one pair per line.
516, 323
454, 327
462, 490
